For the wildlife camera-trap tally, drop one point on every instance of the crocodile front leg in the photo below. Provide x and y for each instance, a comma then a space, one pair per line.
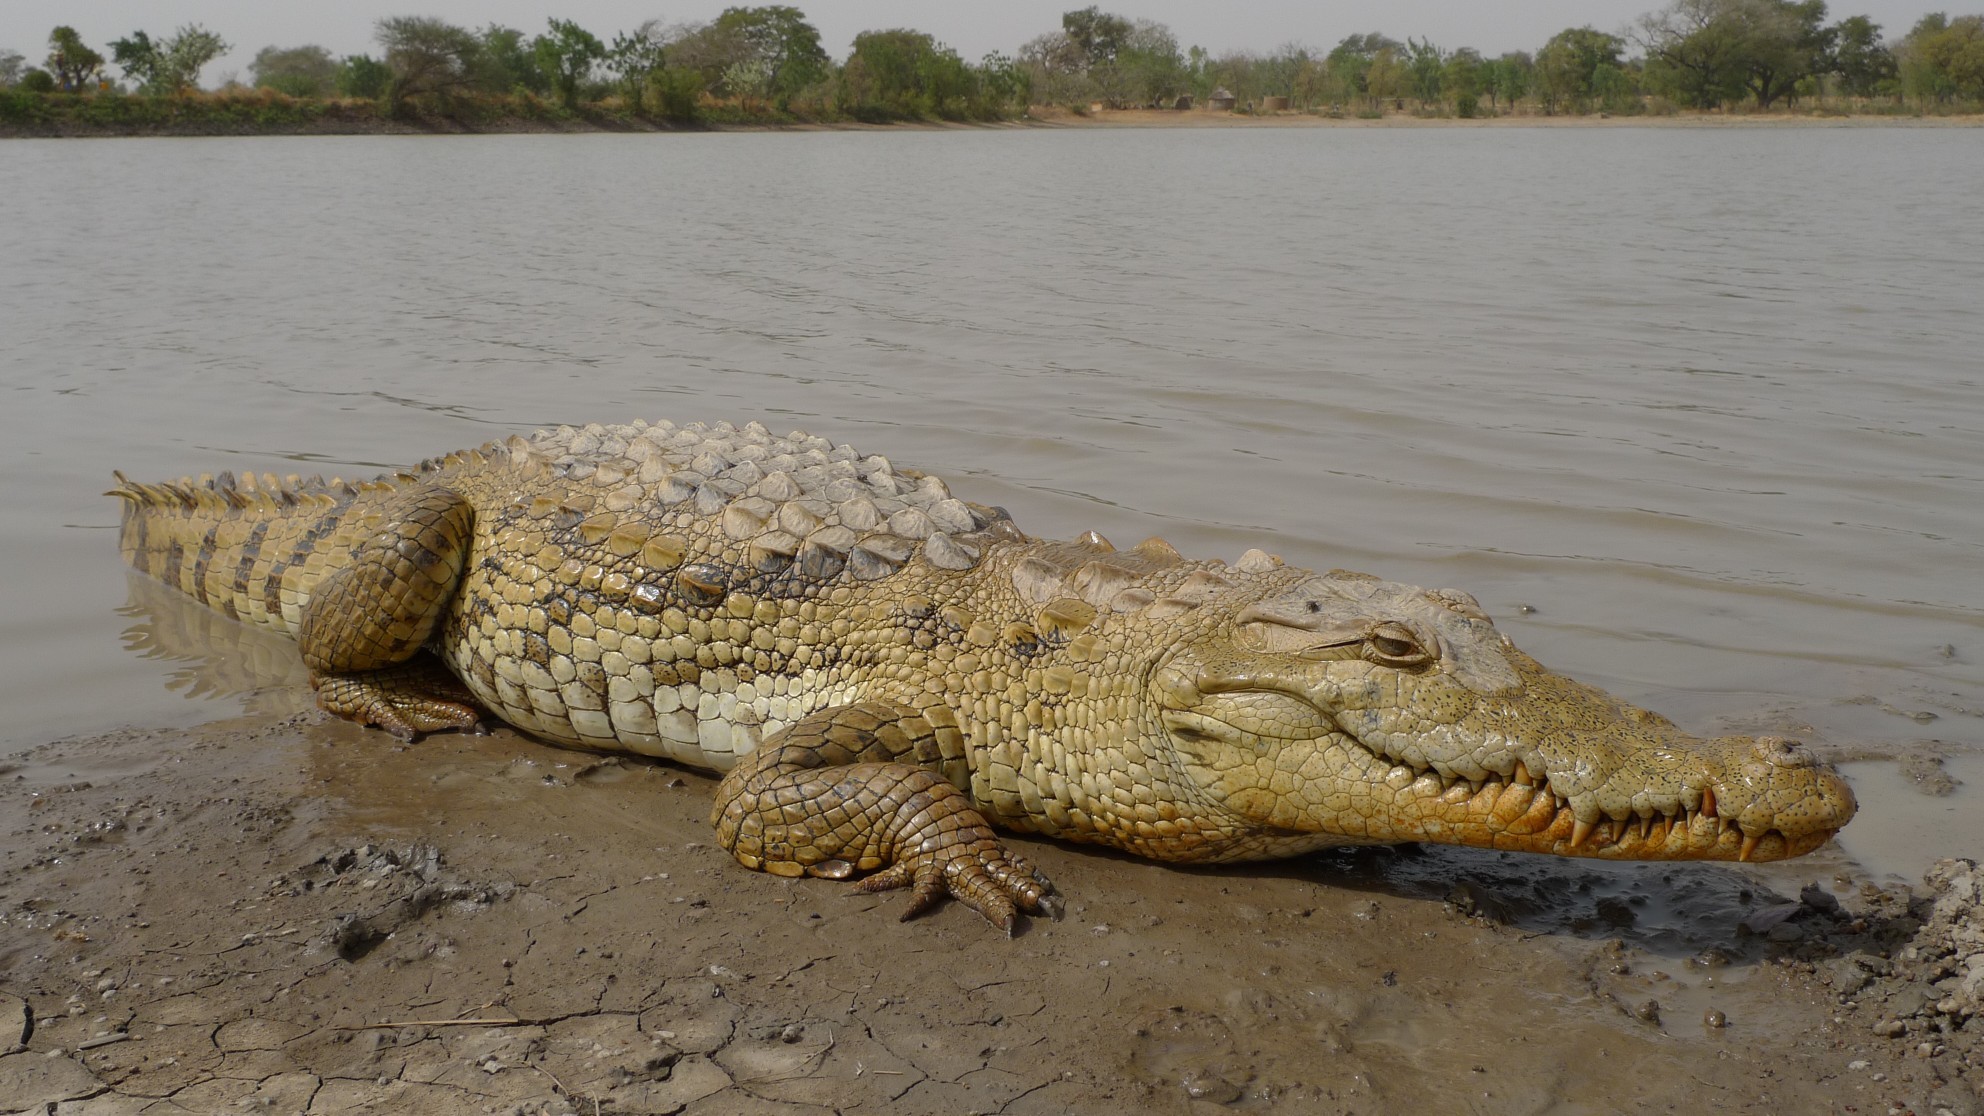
832, 796
365, 625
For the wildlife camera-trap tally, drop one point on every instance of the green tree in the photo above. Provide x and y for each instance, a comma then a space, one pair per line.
567, 54
1692, 53
1096, 34
780, 45
1462, 80
1057, 69
1713, 51
138, 57
1003, 82
1942, 59
304, 71
426, 56
1572, 65
187, 52
1781, 43
12, 65
1864, 64
1348, 66
72, 63
1384, 78
361, 75
634, 55
899, 72
1425, 66
505, 62
1507, 79
1148, 68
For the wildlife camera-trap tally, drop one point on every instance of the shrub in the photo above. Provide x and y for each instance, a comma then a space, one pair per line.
674, 95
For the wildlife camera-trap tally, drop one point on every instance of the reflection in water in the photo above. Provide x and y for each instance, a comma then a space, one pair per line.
219, 659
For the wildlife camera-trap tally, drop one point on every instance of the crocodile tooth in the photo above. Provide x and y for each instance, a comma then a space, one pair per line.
1522, 777
1580, 832
1749, 845
1708, 802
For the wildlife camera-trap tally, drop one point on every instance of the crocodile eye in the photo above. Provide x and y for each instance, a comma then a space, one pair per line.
1396, 645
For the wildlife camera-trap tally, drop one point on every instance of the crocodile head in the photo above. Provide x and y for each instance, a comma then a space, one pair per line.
1370, 711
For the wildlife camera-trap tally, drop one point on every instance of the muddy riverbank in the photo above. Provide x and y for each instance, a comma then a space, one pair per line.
292, 913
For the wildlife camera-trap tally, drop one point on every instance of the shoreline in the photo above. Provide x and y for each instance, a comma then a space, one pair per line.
345, 119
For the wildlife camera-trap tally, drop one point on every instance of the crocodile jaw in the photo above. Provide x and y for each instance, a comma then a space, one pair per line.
1472, 743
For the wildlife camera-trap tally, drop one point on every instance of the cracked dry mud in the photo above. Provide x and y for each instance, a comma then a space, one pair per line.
282, 914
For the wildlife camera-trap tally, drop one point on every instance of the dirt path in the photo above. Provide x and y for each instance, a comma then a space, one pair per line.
280, 914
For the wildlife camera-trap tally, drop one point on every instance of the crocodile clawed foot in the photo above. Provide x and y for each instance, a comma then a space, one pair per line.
978, 873
402, 701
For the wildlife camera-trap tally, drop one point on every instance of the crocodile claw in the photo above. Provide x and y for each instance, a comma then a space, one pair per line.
978, 873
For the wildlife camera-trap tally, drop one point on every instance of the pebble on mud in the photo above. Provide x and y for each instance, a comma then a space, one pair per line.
1714, 1020
1207, 1086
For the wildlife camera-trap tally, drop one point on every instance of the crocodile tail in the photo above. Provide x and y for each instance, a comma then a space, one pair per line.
247, 547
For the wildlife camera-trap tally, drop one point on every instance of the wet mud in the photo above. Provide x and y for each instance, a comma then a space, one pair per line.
284, 913
300, 916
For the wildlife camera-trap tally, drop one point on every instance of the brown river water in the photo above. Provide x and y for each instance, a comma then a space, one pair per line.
1698, 415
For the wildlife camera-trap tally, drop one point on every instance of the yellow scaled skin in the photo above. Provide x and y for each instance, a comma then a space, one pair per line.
888, 673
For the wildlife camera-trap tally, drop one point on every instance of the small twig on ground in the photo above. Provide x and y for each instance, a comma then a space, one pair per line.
441, 1023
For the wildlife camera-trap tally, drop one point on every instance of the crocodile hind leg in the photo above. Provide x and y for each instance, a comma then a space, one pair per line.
840, 792
364, 628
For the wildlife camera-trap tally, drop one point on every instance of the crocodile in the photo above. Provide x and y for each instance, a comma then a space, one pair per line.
884, 675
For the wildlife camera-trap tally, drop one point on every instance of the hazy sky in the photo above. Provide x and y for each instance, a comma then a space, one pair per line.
972, 27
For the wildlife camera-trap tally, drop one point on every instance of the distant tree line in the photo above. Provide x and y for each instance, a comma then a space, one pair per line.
1693, 54
762, 59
